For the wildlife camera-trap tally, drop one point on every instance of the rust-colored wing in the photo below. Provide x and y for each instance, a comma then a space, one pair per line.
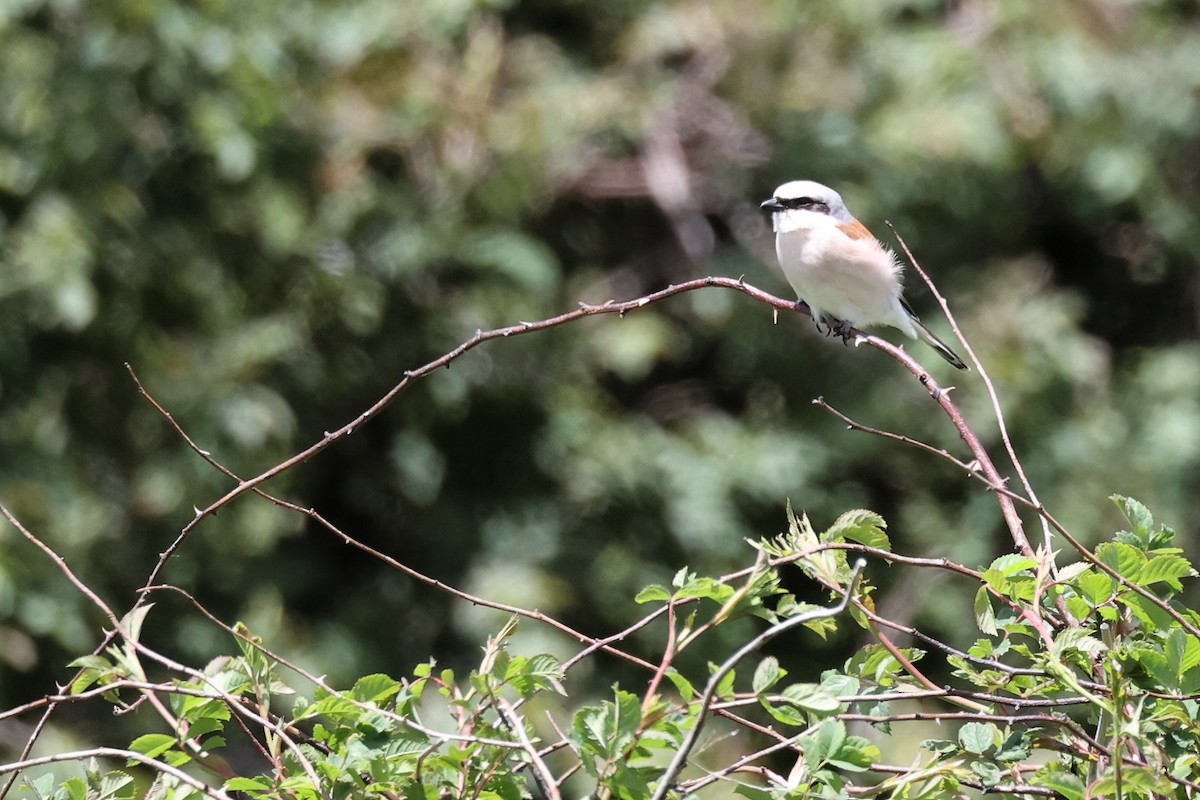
856, 230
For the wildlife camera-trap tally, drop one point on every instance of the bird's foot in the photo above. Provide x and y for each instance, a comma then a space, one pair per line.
842, 329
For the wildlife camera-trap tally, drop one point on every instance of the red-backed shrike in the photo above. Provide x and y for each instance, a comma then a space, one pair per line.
847, 277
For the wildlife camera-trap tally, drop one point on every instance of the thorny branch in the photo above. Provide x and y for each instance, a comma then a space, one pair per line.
980, 467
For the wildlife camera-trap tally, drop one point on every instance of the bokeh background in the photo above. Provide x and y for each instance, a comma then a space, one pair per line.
271, 210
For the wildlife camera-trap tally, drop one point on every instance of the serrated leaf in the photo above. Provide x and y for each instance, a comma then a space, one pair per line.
680, 577
811, 697
862, 526
682, 684
1096, 587
1183, 649
653, 594
152, 745
1166, 569
1013, 563
784, 713
240, 784
1078, 639
725, 685
941, 747
1069, 572
131, 623
1138, 515
76, 788
996, 580
1126, 560
1017, 747
839, 684
978, 737
825, 742
374, 688
985, 615
989, 773
767, 674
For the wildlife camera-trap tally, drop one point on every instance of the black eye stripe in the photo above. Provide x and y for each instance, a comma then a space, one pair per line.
805, 203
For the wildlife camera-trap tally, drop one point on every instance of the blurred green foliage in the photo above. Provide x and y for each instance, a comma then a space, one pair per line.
271, 210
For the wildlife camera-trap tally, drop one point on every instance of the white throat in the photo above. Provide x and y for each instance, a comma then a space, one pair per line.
799, 219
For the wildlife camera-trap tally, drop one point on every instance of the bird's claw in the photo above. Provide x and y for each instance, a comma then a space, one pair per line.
842, 329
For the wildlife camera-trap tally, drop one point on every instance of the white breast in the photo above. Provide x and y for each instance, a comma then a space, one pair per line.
856, 280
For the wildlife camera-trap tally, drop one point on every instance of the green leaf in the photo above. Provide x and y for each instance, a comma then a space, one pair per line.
1124, 559
1183, 649
1017, 747
825, 742
76, 788
240, 784
682, 684
941, 747
784, 713
374, 688
811, 697
985, 615
1013, 563
725, 685
706, 588
996, 580
1138, 515
989, 773
131, 623
1096, 587
862, 526
978, 737
1166, 569
114, 783
152, 744
1080, 639
91, 662
839, 684
653, 594
856, 754
767, 674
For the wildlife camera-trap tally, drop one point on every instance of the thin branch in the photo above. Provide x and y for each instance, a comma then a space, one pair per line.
541, 772
941, 396
681, 755
481, 336
123, 755
987, 380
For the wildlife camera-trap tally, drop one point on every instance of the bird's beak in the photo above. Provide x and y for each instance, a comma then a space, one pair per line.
771, 205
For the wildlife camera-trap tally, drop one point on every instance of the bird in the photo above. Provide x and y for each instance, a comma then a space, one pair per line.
847, 277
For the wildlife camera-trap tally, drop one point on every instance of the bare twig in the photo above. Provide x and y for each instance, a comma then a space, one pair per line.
987, 382
541, 772
122, 755
685, 748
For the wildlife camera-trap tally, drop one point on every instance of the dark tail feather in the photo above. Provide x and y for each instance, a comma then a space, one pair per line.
937, 344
